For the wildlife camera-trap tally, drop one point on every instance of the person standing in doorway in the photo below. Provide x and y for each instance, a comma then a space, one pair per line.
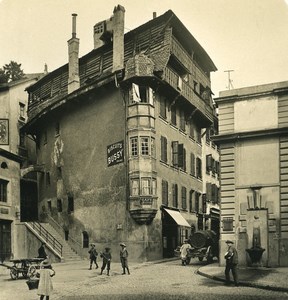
42, 252
93, 256
231, 257
124, 259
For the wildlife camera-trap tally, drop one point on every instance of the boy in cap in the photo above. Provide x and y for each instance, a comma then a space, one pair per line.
106, 260
124, 258
231, 257
93, 256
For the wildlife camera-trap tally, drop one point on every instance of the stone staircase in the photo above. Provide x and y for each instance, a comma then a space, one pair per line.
67, 252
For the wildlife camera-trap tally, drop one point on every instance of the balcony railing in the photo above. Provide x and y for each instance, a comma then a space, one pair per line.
187, 91
178, 51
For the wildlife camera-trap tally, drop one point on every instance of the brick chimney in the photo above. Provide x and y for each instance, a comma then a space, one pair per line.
73, 52
118, 38
112, 30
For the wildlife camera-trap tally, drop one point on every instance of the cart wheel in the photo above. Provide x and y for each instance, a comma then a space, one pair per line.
31, 271
14, 273
25, 274
200, 258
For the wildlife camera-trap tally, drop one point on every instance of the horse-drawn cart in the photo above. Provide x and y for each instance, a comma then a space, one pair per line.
25, 267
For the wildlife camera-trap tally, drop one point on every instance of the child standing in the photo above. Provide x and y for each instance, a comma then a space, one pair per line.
93, 256
45, 286
106, 260
124, 258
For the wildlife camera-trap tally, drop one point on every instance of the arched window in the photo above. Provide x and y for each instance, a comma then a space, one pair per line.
85, 237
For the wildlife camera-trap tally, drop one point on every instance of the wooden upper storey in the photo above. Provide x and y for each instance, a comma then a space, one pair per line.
165, 40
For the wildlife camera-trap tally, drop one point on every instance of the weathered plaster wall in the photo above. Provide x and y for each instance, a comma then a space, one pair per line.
250, 114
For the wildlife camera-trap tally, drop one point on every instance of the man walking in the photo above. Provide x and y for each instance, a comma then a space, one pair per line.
231, 257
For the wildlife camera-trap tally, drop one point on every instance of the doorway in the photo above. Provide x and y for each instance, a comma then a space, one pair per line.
5, 240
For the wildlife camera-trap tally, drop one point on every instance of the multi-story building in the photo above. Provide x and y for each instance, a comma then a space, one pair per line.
253, 135
118, 133
15, 148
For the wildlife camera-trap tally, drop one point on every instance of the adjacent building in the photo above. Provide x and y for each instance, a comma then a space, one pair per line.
118, 135
253, 140
15, 148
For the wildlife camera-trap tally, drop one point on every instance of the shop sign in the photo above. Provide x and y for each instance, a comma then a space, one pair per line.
115, 153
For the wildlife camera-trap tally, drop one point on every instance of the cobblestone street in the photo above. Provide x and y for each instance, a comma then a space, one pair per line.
167, 280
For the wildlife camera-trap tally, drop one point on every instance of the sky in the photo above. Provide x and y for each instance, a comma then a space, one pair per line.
249, 37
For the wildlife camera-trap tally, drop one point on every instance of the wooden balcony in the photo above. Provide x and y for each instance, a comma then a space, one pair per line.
172, 78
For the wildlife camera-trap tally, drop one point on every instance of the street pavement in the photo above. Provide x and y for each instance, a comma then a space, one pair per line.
274, 279
165, 279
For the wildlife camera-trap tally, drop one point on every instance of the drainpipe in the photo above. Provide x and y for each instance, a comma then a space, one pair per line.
73, 52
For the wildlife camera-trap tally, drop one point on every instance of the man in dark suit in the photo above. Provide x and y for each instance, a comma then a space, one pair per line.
231, 257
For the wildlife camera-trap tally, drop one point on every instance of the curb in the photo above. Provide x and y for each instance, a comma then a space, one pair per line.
242, 283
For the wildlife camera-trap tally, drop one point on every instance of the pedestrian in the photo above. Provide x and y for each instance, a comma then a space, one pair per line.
124, 258
45, 286
93, 256
41, 251
184, 252
106, 260
231, 257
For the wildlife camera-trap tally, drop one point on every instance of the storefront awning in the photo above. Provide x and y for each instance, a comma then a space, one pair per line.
177, 217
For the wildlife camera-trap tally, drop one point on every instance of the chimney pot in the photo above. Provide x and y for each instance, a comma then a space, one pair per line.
154, 15
74, 25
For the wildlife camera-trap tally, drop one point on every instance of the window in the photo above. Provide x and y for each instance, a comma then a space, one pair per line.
141, 93
165, 192
22, 139
47, 178
45, 137
163, 107
178, 155
134, 187
144, 145
208, 163
163, 149
184, 197
4, 165
154, 186
198, 135
192, 164
57, 128
198, 168
49, 205
22, 111
182, 120
145, 186
3, 190
175, 195
134, 146
59, 205
173, 115
191, 204
197, 196
59, 173
192, 130
227, 224
208, 191
70, 204
153, 148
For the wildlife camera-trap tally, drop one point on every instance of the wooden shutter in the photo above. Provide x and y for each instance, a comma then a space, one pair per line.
181, 156
192, 164
175, 157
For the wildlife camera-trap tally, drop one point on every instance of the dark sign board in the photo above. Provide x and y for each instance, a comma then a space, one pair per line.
115, 153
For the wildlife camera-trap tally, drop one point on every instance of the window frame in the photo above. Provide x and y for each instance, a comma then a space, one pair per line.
4, 190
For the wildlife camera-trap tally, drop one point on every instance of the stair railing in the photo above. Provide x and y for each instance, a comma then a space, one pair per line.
73, 243
47, 236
